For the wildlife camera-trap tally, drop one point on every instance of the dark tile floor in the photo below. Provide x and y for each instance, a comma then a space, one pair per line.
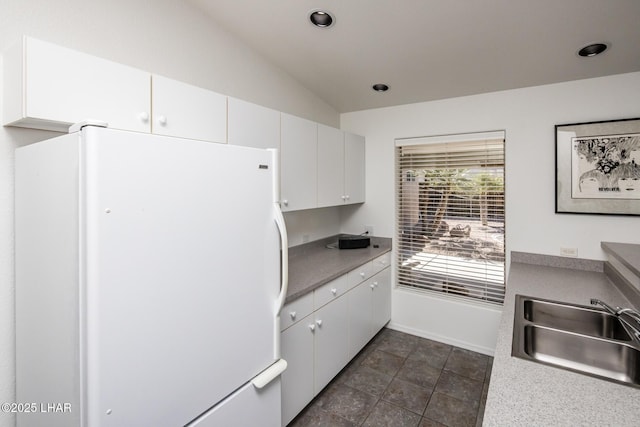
403, 380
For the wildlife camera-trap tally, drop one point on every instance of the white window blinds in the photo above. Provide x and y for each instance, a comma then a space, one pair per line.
450, 215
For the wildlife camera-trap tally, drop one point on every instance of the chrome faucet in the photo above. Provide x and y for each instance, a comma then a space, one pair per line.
606, 306
631, 313
626, 312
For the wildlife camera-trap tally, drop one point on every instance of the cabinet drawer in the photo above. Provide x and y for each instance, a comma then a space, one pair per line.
360, 274
382, 262
296, 310
329, 291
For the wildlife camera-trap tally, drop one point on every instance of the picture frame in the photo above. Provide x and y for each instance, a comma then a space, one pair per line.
598, 167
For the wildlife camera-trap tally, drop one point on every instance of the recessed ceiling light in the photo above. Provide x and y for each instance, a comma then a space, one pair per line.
321, 18
592, 50
380, 87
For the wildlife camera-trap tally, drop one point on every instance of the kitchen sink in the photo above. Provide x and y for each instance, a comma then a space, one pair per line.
573, 318
578, 338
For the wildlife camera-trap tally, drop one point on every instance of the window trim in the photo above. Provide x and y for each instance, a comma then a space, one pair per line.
496, 139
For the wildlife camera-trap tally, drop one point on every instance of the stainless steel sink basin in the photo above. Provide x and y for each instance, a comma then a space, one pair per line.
578, 338
573, 318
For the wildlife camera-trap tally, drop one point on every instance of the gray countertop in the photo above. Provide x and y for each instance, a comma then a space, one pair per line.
524, 393
312, 264
628, 254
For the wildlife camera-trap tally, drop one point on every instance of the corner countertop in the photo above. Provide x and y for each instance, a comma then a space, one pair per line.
627, 253
524, 393
312, 264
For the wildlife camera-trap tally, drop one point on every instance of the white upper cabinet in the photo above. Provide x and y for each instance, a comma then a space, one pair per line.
354, 168
340, 167
330, 166
187, 111
298, 166
252, 125
50, 87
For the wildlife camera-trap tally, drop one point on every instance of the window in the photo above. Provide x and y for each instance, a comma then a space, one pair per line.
450, 215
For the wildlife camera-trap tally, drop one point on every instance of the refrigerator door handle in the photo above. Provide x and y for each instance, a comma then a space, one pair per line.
269, 374
284, 242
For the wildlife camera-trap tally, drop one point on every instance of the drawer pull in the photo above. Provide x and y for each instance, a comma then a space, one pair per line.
334, 291
293, 315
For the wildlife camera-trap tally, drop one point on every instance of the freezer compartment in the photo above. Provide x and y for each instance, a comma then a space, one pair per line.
248, 406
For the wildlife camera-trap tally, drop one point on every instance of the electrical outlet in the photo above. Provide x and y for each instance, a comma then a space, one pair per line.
369, 230
571, 252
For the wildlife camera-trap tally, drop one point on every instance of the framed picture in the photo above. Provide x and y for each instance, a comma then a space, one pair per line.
598, 167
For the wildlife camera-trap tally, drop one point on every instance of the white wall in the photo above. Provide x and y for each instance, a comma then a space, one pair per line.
166, 37
528, 116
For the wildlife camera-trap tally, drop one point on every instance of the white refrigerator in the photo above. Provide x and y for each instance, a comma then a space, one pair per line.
149, 281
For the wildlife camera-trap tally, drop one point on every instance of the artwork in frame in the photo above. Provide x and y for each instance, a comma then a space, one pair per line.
598, 167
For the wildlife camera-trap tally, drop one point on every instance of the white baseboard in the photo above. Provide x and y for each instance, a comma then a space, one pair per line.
440, 338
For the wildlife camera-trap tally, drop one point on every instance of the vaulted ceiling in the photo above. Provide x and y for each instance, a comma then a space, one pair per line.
433, 49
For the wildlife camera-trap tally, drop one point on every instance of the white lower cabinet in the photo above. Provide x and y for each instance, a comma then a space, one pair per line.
347, 314
359, 299
315, 349
381, 299
297, 380
330, 345
369, 309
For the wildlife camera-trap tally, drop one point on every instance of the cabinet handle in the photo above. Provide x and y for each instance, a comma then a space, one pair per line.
312, 327
293, 315
347, 197
372, 286
285, 202
334, 291
162, 120
319, 322
144, 117
362, 274
343, 197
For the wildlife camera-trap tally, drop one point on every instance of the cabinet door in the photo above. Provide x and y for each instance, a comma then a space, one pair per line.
330, 166
298, 178
51, 87
188, 111
331, 340
354, 168
297, 380
359, 324
252, 125
381, 302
